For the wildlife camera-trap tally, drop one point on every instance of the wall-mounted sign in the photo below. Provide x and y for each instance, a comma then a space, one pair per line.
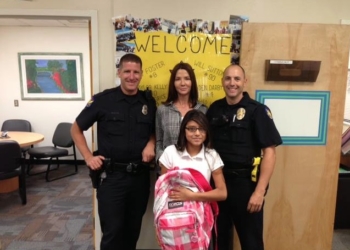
291, 70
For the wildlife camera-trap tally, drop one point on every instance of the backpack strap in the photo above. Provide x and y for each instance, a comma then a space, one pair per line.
206, 187
204, 184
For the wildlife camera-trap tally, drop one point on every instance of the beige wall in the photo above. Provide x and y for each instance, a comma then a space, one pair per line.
44, 115
268, 11
105, 34
298, 11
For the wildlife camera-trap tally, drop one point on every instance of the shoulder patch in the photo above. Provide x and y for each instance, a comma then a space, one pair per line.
268, 112
90, 102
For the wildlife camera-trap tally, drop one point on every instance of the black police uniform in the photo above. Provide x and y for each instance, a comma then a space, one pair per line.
240, 132
124, 126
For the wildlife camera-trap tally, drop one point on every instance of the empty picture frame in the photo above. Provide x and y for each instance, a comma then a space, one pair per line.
301, 117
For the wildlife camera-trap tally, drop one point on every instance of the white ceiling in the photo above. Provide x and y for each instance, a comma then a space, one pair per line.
29, 22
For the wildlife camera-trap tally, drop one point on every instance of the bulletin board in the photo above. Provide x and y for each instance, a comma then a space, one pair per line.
207, 45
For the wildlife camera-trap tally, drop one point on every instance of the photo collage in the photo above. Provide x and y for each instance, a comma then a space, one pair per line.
126, 25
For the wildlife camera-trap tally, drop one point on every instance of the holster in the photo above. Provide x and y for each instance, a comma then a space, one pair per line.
95, 176
256, 169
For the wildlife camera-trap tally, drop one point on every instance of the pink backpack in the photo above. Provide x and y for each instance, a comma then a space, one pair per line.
186, 224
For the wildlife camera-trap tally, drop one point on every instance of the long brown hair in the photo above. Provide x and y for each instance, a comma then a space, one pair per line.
172, 93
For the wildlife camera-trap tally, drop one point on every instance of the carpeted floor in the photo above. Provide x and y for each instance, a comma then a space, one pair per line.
341, 239
57, 216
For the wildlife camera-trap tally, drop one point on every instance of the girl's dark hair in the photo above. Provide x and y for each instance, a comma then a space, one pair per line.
172, 93
198, 117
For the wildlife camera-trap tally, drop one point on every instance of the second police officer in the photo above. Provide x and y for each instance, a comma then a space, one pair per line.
243, 130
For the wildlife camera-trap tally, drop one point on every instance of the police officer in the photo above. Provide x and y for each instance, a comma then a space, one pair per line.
242, 129
125, 119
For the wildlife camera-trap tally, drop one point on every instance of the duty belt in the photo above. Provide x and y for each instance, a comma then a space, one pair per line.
237, 172
132, 167
244, 172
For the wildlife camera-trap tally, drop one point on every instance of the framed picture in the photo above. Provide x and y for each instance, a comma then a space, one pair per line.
51, 76
307, 115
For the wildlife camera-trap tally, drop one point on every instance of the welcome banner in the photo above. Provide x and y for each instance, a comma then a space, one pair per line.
209, 46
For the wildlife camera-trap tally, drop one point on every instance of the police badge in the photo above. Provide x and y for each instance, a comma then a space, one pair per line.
240, 113
144, 110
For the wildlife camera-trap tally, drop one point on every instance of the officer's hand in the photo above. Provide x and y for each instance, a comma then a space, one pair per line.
255, 203
148, 153
94, 162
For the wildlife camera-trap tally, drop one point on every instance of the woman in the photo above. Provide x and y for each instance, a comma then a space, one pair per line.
193, 152
182, 97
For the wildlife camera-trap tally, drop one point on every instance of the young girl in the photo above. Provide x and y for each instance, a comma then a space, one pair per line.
194, 150
192, 153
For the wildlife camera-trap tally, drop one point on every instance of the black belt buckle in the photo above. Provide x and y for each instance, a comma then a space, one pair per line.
108, 165
131, 168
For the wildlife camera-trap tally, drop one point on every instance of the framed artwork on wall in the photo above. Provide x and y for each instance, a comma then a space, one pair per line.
51, 76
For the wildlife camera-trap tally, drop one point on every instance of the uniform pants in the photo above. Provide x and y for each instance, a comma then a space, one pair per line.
122, 202
233, 212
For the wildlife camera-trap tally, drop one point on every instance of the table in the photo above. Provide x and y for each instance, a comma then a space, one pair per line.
24, 139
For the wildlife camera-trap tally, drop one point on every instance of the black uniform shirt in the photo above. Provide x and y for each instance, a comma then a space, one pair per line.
124, 123
241, 130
